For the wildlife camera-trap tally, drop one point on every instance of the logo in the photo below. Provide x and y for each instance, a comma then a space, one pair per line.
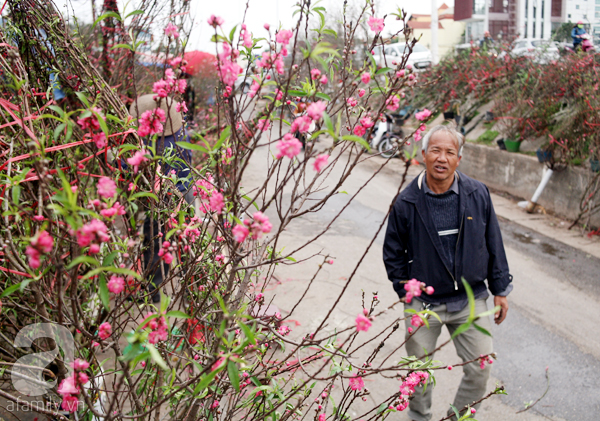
27, 374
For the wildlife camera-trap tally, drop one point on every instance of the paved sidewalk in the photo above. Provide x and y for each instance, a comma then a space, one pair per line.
548, 225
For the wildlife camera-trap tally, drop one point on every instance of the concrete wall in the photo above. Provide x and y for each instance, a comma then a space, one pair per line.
520, 175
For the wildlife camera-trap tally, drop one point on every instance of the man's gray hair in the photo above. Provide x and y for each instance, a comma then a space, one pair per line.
449, 129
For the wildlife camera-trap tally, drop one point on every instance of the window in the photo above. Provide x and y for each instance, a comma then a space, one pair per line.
543, 10
577, 6
391, 51
527, 9
478, 7
569, 16
533, 35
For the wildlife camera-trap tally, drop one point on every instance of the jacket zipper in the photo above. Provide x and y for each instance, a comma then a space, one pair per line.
456, 251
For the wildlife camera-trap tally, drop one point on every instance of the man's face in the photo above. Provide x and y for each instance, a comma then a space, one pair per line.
441, 157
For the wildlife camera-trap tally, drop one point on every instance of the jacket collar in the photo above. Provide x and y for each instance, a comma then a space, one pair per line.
466, 186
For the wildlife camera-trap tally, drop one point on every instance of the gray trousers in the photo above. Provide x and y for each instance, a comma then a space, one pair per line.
469, 345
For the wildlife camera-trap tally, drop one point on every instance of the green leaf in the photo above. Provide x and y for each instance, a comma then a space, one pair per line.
191, 146
249, 199
432, 313
371, 58
158, 359
489, 312
57, 110
102, 123
330, 32
127, 46
224, 136
232, 33
145, 194
103, 292
10, 290
455, 411
482, 330
106, 15
296, 93
383, 70
59, 129
247, 332
83, 259
328, 123
209, 377
357, 139
234, 375
471, 298
177, 314
323, 96
112, 269
462, 328
134, 13
83, 98
16, 194
110, 258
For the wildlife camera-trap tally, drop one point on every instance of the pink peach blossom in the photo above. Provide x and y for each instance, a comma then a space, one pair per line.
215, 21
284, 36
105, 330
171, 31
376, 24
240, 233
107, 188
116, 284
362, 323
137, 159
320, 162
289, 146
316, 109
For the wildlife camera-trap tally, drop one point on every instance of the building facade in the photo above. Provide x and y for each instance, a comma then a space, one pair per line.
449, 31
514, 18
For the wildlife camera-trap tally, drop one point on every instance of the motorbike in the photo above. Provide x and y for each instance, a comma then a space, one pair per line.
587, 45
388, 133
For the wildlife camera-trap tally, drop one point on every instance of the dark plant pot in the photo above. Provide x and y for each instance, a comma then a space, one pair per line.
595, 165
489, 115
512, 145
501, 144
543, 156
449, 115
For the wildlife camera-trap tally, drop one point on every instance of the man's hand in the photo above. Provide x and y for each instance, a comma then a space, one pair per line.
501, 314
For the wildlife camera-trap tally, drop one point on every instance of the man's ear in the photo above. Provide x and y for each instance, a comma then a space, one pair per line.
459, 158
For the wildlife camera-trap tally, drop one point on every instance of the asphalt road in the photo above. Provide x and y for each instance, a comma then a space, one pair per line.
552, 321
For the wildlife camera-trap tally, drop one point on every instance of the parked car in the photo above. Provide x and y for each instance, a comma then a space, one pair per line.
420, 58
539, 50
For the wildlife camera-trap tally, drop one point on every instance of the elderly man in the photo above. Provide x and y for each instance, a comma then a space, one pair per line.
443, 228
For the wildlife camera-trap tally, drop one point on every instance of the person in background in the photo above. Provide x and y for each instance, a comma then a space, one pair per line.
174, 131
576, 33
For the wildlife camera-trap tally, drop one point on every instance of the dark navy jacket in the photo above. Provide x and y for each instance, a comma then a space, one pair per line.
413, 249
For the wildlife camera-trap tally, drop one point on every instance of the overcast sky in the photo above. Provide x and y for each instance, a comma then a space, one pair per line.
259, 12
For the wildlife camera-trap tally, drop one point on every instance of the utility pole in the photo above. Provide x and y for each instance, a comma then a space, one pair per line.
486, 16
434, 32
